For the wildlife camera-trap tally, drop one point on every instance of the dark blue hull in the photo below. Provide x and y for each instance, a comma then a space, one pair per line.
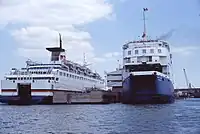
147, 89
15, 100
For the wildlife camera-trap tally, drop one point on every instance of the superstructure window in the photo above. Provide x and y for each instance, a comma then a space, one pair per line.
114, 75
151, 50
12, 78
136, 51
159, 51
41, 78
143, 51
150, 58
128, 60
129, 52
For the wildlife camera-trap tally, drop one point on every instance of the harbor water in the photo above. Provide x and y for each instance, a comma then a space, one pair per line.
181, 117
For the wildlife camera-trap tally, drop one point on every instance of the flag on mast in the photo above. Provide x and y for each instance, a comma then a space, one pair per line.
144, 33
145, 9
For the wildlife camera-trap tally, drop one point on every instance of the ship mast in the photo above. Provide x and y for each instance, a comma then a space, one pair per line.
60, 40
84, 60
144, 19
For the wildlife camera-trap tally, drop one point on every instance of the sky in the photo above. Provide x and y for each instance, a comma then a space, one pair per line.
99, 28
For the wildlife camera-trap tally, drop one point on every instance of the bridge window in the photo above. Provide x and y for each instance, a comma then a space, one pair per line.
129, 52
159, 50
144, 51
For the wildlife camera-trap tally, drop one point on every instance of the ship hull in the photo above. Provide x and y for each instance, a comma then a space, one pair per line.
16, 100
147, 89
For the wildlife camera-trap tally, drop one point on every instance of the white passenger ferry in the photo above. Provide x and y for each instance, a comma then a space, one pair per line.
36, 82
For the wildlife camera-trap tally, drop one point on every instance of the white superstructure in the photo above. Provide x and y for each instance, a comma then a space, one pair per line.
59, 74
146, 54
114, 78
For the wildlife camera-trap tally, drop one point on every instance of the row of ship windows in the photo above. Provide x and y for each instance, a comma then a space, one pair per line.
61, 74
47, 78
114, 74
76, 77
114, 80
144, 51
26, 73
128, 60
33, 78
37, 68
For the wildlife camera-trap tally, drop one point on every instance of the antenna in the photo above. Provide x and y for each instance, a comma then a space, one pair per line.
144, 19
119, 65
60, 40
84, 59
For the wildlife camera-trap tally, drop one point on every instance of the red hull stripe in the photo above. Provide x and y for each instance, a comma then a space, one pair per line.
8, 90
34, 90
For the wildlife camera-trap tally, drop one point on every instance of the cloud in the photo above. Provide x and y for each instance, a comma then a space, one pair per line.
43, 19
185, 50
112, 54
122, 1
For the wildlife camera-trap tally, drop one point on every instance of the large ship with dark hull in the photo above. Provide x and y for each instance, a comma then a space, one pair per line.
147, 75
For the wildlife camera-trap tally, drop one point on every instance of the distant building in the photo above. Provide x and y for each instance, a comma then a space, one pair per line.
114, 80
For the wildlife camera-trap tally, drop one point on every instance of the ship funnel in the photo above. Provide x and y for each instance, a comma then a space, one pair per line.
56, 51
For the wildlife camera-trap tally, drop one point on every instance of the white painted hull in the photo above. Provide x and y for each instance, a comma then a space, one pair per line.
65, 84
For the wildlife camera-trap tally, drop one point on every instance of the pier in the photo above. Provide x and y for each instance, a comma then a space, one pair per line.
187, 92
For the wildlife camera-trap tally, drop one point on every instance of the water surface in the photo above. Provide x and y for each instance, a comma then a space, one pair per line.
182, 117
